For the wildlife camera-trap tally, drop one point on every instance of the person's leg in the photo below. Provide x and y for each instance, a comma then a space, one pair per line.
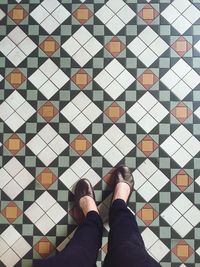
125, 244
82, 249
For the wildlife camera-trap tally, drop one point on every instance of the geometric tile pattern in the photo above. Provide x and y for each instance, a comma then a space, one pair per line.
88, 85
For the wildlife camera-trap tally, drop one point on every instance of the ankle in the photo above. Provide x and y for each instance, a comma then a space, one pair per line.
87, 204
122, 191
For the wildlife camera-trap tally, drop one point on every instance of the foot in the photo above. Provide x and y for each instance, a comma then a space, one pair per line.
84, 196
123, 182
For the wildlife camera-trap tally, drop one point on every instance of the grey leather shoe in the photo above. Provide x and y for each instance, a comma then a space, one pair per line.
83, 188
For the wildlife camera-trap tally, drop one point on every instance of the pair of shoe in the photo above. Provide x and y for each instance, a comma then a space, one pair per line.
120, 174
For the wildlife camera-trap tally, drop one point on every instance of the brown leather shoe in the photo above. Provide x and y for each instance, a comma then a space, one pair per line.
123, 174
83, 188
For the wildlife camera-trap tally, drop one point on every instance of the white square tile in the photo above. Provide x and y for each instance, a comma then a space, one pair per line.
70, 111
24, 178
71, 46
92, 176
136, 112
50, 5
81, 101
47, 133
82, 57
181, 68
13, 167
25, 111
148, 35
147, 168
147, 123
92, 112
10, 235
193, 215
137, 46
9, 258
6, 46
159, 180
16, 56
59, 78
5, 178
58, 144
56, 213
103, 79
192, 146
171, 215
5, 111
36, 144
44, 224
114, 68
69, 178
147, 101
197, 46
126, 14
12, 189
170, 13
81, 122
82, 35
49, 68
21, 247
102, 145
181, 134
34, 212
48, 89
3, 246
159, 250
182, 157
147, 191
192, 14
104, 14
113, 156
115, 24
170, 79
148, 57
17, 35
14, 122
139, 179
93, 46
114, 90
159, 46
182, 204
50, 24
181, 24
181, 6
192, 79
182, 227
80, 167
181, 90
45, 201
125, 79
115, 6
158, 112
61, 14
27, 46
170, 145
114, 134
38, 78
149, 238
39, 13
125, 145
2, 14
15, 100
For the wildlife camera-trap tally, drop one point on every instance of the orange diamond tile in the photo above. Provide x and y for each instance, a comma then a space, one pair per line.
18, 13
115, 46
114, 112
181, 46
147, 145
81, 79
147, 79
82, 14
182, 180
14, 144
46, 178
182, 250
148, 14
49, 46
181, 112
147, 214
15, 78
11, 212
80, 144
48, 111
44, 247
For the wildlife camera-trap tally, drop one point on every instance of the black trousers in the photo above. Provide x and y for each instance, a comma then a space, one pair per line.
125, 244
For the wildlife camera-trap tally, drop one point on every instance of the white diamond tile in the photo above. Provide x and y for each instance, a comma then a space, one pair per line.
171, 215
147, 112
197, 46
182, 227
34, 212
148, 46
50, 15
82, 46
45, 224
56, 213
193, 215
45, 201
47, 144
114, 79
115, 15
79, 169
181, 15
182, 203
9, 258
182, 157
149, 180
2, 14
16, 46
10, 235
113, 156
81, 112
3, 246
159, 250
21, 247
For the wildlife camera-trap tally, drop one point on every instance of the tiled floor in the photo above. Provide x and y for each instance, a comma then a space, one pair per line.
84, 86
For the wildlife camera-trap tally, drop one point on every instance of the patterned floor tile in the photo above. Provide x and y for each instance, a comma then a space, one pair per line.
88, 85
